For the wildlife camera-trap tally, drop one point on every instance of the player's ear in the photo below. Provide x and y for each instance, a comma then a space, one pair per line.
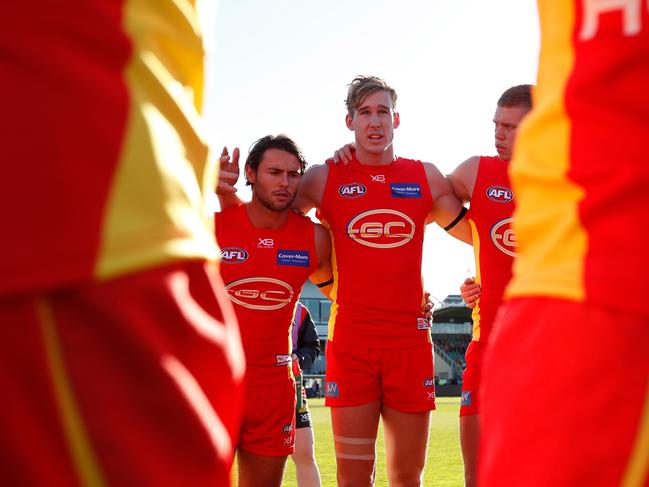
348, 121
396, 120
250, 174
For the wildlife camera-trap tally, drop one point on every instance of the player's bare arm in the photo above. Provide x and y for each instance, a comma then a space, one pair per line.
323, 275
311, 190
447, 208
228, 176
463, 178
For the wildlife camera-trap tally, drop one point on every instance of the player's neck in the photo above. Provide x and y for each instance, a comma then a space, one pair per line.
373, 158
261, 216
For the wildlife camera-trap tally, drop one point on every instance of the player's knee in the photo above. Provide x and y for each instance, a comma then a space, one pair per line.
303, 457
406, 475
355, 477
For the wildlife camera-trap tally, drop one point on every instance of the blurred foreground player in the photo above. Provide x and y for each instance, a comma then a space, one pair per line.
120, 357
567, 379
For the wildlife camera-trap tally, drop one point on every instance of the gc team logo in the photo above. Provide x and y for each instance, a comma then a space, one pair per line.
260, 293
503, 237
383, 228
352, 190
233, 255
500, 194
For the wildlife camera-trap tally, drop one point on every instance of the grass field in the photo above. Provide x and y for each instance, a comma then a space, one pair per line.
444, 461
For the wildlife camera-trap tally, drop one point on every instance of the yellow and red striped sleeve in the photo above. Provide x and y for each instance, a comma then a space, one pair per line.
109, 167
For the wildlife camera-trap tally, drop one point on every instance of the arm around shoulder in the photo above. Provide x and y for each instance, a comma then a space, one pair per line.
311, 188
447, 209
463, 177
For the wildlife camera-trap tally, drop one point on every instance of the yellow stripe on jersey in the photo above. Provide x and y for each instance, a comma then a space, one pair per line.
539, 174
333, 313
637, 471
475, 314
88, 470
164, 156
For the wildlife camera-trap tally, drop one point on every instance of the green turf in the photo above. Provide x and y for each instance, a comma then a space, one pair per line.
444, 461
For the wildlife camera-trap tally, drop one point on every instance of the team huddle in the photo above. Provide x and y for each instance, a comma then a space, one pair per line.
149, 340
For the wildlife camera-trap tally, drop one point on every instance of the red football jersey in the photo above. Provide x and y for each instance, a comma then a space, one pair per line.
263, 271
494, 243
580, 170
376, 216
105, 163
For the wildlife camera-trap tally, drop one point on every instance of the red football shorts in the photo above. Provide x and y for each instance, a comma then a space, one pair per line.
134, 381
268, 426
566, 397
470, 401
403, 378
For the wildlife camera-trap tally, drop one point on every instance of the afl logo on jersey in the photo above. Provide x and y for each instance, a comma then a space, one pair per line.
500, 194
384, 228
260, 293
503, 237
352, 190
233, 255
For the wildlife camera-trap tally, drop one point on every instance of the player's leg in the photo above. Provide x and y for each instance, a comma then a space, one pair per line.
408, 397
268, 431
306, 469
256, 470
353, 394
406, 438
355, 430
469, 407
469, 441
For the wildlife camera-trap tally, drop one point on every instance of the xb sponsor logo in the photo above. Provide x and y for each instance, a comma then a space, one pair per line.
500, 194
503, 237
305, 417
352, 190
430, 395
233, 255
332, 389
382, 228
265, 243
378, 178
260, 293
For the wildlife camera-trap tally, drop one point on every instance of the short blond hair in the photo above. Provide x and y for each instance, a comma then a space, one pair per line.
363, 86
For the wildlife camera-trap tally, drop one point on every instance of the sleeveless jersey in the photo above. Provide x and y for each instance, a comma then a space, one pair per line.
494, 245
263, 271
106, 168
376, 216
581, 169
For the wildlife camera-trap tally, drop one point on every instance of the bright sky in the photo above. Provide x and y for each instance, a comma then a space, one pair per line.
284, 65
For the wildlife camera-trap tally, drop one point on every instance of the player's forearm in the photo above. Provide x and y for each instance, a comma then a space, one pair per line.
228, 200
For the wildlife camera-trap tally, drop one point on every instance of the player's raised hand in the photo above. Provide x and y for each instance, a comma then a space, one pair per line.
228, 171
470, 292
344, 154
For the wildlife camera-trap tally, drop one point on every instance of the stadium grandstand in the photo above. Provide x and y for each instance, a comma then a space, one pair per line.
451, 333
